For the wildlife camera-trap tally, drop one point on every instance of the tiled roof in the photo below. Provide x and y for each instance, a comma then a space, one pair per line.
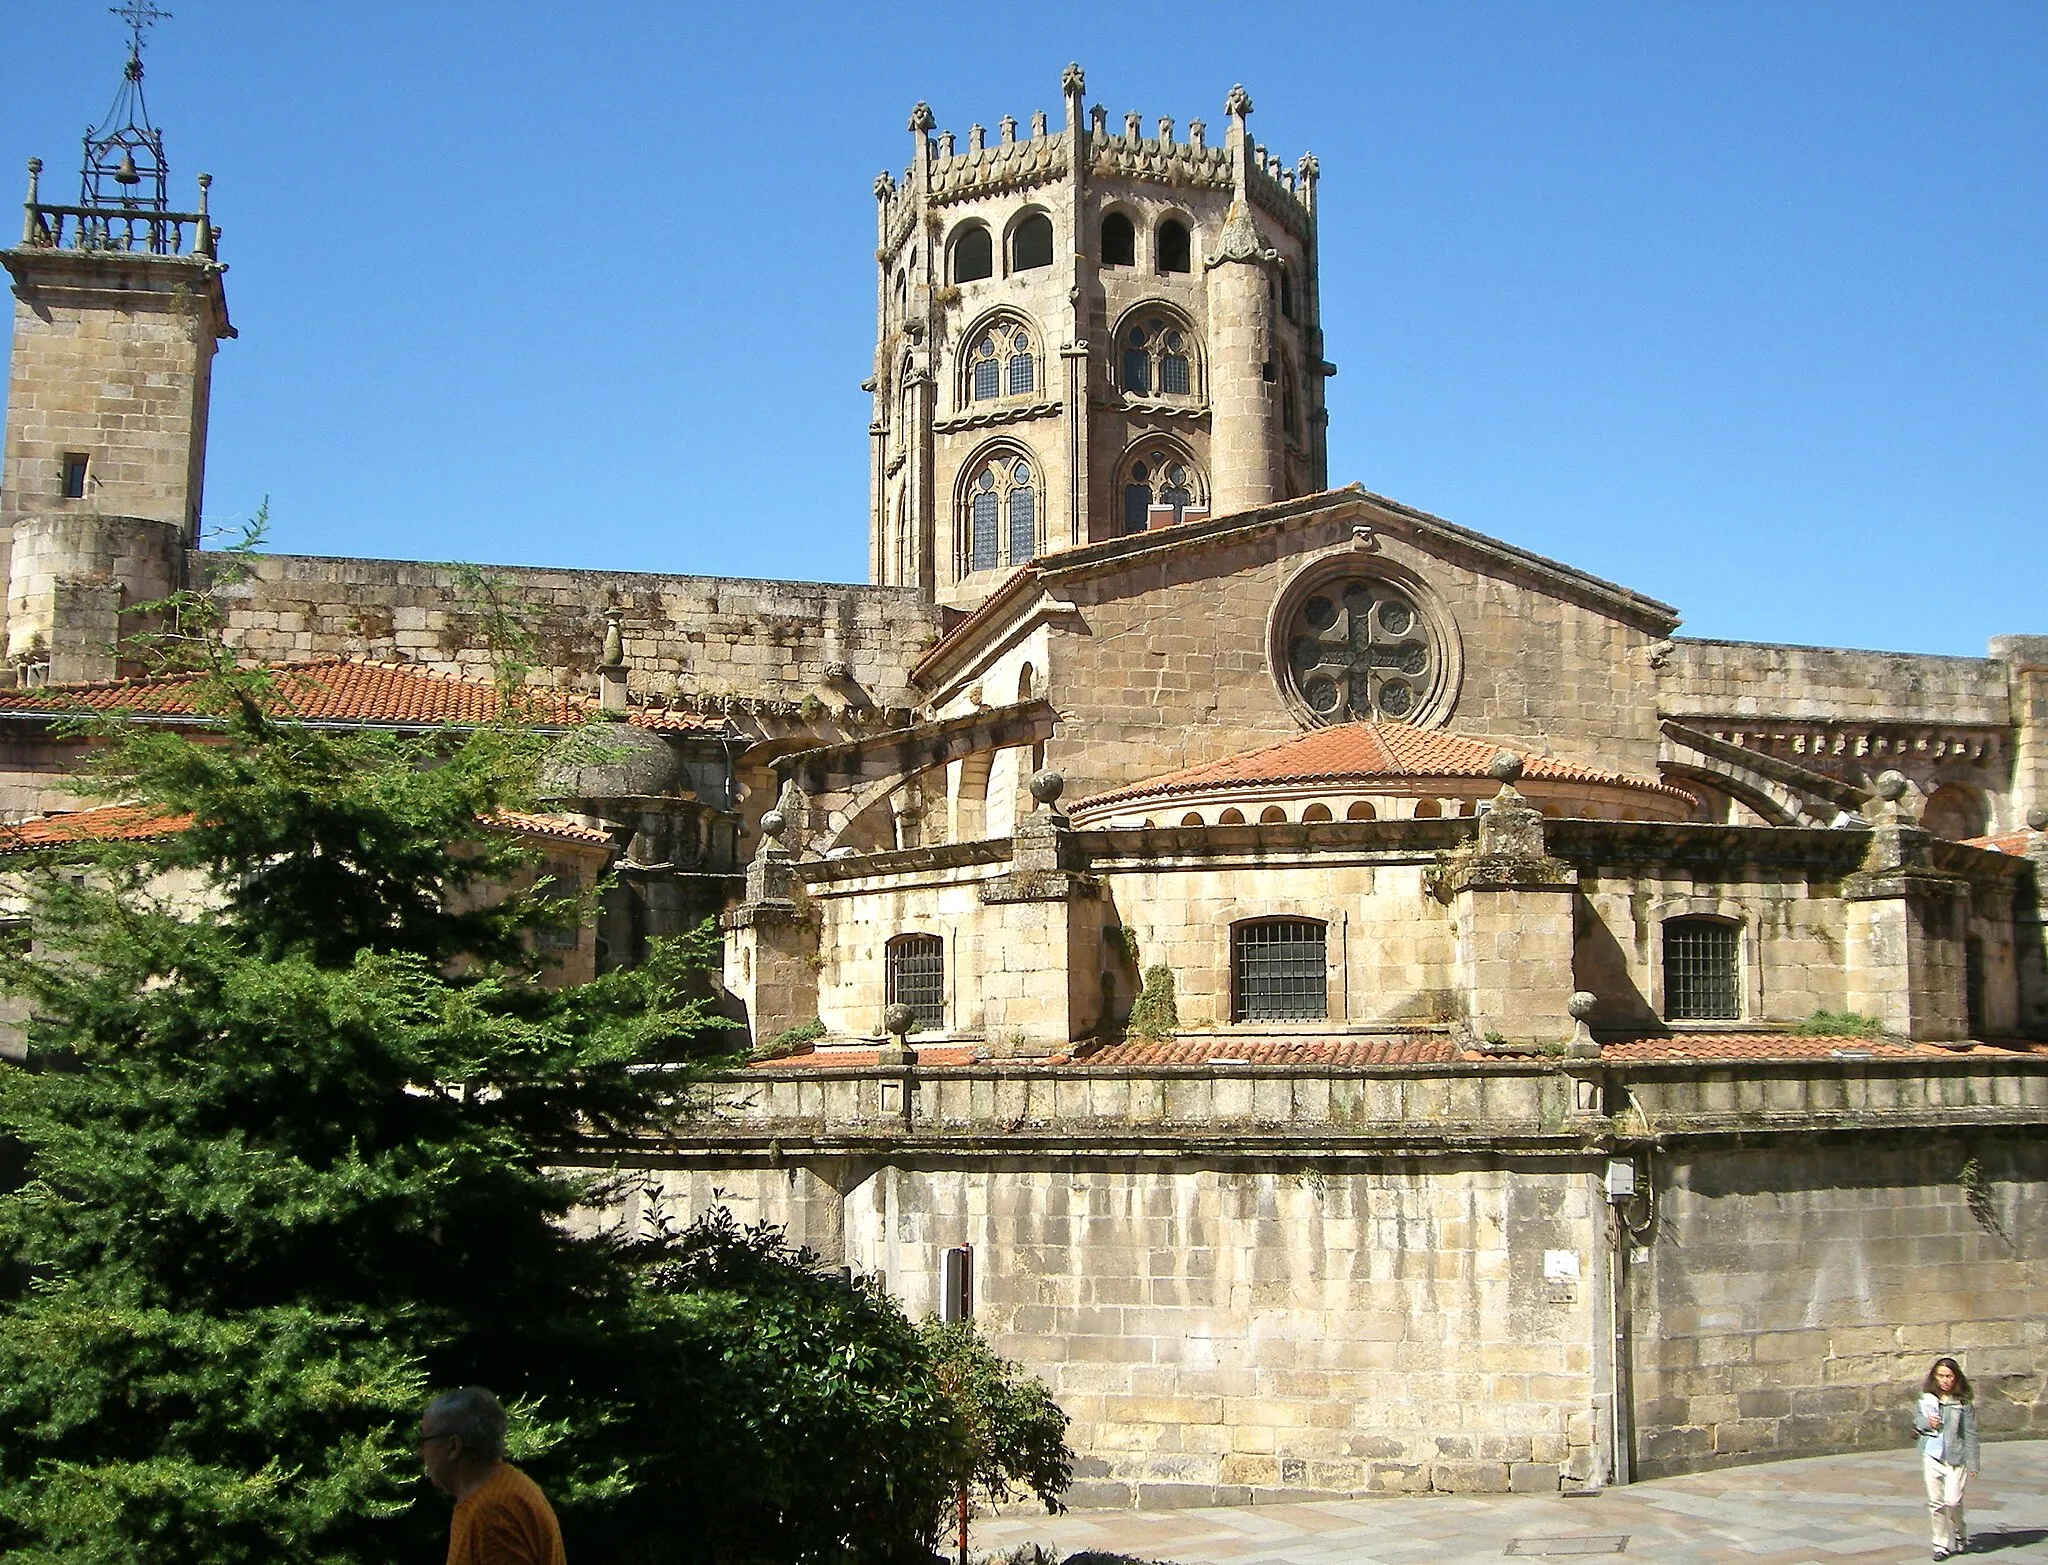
1416, 1049
108, 823
2013, 842
1311, 1054
830, 1059
1360, 752
344, 690
554, 826
138, 823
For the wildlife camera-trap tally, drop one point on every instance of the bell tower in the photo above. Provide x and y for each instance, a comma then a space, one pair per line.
1083, 333
119, 306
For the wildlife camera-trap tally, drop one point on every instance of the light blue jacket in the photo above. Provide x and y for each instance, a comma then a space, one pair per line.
1955, 1442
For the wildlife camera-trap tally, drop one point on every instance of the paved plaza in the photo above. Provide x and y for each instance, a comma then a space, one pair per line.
1828, 1510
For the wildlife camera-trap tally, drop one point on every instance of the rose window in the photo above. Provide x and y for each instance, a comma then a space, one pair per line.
1359, 651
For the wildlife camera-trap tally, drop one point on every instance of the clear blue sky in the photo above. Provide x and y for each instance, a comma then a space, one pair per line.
1744, 306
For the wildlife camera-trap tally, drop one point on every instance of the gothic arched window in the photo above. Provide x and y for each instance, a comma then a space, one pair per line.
1119, 241
1157, 361
1176, 248
999, 514
1159, 477
1000, 362
974, 254
1286, 294
1031, 244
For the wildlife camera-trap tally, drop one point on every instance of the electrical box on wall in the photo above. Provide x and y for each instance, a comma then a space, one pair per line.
1621, 1179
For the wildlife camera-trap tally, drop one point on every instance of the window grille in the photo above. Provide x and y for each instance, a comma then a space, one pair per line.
983, 550
1137, 372
1702, 970
987, 379
1157, 358
1280, 969
1023, 526
999, 516
1001, 358
917, 977
1020, 368
1173, 375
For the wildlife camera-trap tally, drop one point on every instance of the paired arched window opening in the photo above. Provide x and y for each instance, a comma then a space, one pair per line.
916, 967
999, 514
1159, 478
1031, 243
1702, 970
1157, 358
1119, 241
1176, 247
974, 254
1000, 362
1279, 970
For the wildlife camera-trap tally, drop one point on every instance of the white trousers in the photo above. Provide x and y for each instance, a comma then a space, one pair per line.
1945, 1501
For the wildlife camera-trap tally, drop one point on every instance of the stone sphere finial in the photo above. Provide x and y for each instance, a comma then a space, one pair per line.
1582, 1005
1506, 768
773, 825
1891, 787
2037, 818
897, 1020
1046, 787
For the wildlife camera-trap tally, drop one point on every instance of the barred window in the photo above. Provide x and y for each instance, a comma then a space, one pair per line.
1702, 970
1000, 511
1001, 357
1279, 970
917, 977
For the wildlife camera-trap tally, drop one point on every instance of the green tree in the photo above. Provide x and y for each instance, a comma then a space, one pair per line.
302, 1137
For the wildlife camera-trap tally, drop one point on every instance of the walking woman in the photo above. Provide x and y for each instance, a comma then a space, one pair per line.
1946, 1422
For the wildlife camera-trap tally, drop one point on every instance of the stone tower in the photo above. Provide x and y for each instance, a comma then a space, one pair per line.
1083, 333
118, 308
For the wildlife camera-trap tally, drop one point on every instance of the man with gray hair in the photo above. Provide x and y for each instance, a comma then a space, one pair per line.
501, 1517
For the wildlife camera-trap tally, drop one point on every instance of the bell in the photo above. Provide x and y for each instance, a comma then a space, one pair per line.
125, 174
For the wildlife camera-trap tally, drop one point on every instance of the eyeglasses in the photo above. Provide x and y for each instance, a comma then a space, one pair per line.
426, 1440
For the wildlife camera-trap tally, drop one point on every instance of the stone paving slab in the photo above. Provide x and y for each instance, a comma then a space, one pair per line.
1827, 1510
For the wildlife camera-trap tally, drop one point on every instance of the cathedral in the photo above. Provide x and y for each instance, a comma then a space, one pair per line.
1356, 1005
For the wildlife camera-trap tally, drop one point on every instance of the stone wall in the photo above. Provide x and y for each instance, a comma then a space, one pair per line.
1789, 1299
685, 636
1829, 684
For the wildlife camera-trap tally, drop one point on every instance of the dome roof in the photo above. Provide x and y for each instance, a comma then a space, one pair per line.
1379, 758
610, 761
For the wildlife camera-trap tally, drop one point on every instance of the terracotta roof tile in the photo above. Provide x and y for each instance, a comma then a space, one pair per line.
833, 1059
1411, 1049
554, 826
1367, 751
107, 823
2013, 842
344, 690
1738, 1046
137, 823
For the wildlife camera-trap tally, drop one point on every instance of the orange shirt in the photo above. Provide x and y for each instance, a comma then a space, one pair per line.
507, 1521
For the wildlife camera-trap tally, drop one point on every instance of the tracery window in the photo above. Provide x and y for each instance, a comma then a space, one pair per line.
1358, 650
1031, 244
1158, 477
1279, 969
999, 520
916, 967
1119, 241
974, 254
1176, 247
1000, 362
1702, 970
1158, 358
